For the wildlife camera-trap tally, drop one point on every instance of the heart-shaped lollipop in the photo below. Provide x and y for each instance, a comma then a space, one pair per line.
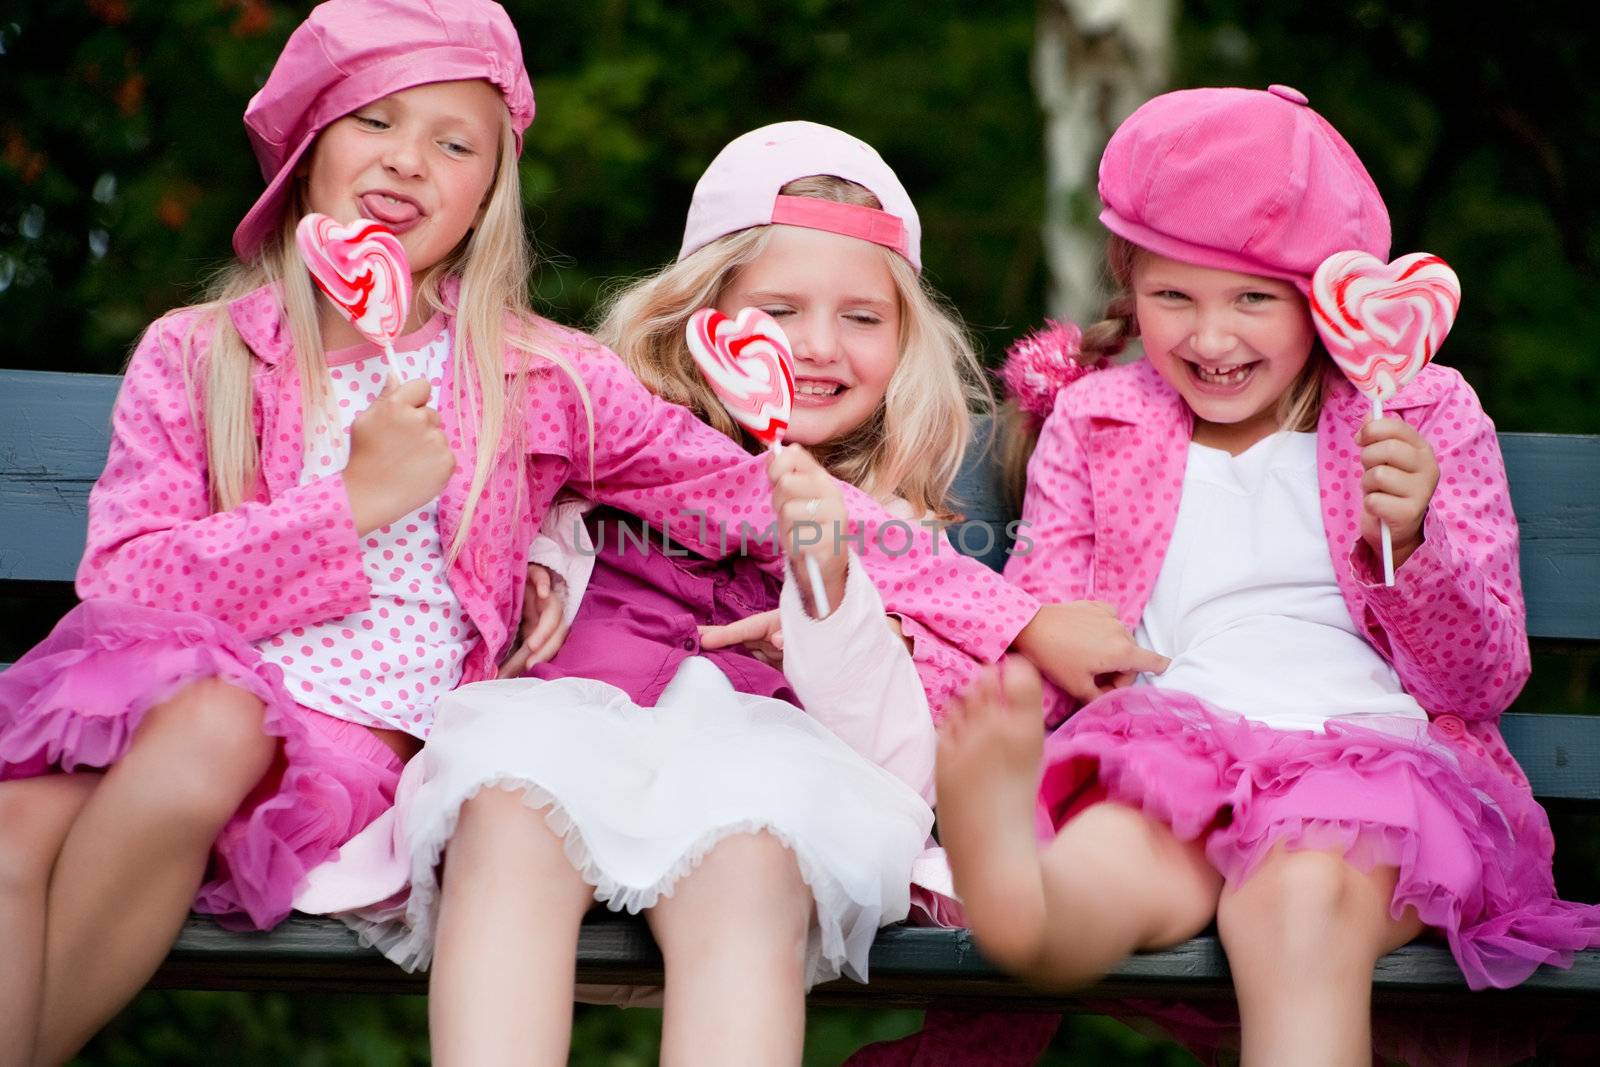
362, 268
747, 360
750, 366
1382, 322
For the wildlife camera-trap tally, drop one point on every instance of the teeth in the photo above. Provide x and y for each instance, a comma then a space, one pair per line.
816, 390
1223, 375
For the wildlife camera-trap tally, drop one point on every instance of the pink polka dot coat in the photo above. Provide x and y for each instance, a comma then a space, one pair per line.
1103, 493
290, 556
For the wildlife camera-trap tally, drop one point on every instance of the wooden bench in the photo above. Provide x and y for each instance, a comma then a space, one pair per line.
53, 437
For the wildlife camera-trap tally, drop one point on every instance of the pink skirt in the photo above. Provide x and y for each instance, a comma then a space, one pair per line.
1471, 848
75, 700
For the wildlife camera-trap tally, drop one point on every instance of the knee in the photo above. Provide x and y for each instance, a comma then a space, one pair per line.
497, 830
495, 819
211, 733
764, 890
1303, 908
27, 846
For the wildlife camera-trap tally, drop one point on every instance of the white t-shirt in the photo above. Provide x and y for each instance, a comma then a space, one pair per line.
1247, 606
388, 665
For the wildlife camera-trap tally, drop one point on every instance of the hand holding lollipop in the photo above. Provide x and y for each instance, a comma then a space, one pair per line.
362, 268
1382, 323
750, 366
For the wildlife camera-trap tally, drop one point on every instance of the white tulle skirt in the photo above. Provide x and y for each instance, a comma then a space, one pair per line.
639, 795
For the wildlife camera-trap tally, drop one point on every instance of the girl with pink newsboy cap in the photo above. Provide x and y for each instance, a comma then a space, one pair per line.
292, 556
1317, 770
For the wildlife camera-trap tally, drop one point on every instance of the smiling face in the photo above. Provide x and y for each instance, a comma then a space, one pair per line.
836, 301
1232, 344
420, 161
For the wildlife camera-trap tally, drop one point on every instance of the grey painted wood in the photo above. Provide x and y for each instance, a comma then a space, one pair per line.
909, 965
1555, 489
54, 432
1559, 753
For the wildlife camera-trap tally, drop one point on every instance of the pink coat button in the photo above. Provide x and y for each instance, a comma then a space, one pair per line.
1294, 96
1450, 726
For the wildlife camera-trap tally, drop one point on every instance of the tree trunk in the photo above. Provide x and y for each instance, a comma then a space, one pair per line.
1094, 61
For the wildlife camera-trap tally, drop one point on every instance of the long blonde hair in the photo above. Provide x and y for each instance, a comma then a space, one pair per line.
492, 264
911, 447
1298, 408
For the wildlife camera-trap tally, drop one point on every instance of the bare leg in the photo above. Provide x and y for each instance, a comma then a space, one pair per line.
1302, 936
35, 815
500, 991
733, 935
134, 856
1112, 881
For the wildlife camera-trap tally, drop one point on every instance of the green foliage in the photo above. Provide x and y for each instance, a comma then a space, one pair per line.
124, 165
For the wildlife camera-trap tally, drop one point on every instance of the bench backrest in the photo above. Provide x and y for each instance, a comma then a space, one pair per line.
54, 430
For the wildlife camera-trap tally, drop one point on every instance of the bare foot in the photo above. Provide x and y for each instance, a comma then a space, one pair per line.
988, 777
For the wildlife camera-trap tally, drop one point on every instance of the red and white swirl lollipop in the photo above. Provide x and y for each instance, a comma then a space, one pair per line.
748, 361
750, 366
362, 268
1382, 323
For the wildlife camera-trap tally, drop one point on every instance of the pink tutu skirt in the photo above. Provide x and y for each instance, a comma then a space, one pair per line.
75, 700
1472, 848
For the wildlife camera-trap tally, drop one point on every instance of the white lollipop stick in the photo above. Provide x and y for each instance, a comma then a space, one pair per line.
1383, 527
819, 592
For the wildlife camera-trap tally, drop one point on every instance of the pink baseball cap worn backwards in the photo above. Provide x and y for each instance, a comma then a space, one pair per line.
1240, 179
740, 189
348, 53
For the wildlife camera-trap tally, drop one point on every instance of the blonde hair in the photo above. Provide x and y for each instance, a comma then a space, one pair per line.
911, 447
1298, 408
492, 315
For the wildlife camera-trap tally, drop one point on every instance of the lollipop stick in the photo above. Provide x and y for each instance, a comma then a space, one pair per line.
819, 595
1383, 527
393, 361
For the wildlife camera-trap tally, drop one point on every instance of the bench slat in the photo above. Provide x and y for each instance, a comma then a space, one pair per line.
910, 966
1559, 753
54, 432
1555, 490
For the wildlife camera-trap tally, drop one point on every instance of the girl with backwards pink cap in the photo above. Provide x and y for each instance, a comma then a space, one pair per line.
661, 766
1317, 770
290, 559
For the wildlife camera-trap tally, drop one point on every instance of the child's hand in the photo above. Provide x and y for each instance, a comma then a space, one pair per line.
544, 627
1084, 648
811, 520
762, 634
399, 458
1400, 477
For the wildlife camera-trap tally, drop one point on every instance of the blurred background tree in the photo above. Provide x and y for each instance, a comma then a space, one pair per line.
124, 167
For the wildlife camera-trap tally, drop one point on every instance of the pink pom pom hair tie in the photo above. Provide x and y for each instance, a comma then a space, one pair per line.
1040, 365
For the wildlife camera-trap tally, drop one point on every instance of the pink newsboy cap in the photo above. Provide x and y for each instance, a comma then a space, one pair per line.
1240, 179
348, 53
740, 189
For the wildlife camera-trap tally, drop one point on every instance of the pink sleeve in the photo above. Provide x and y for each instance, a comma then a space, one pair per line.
1454, 624
1054, 551
1053, 556
261, 568
656, 460
856, 678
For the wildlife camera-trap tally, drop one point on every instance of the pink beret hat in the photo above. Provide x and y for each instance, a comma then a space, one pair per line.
1240, 179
